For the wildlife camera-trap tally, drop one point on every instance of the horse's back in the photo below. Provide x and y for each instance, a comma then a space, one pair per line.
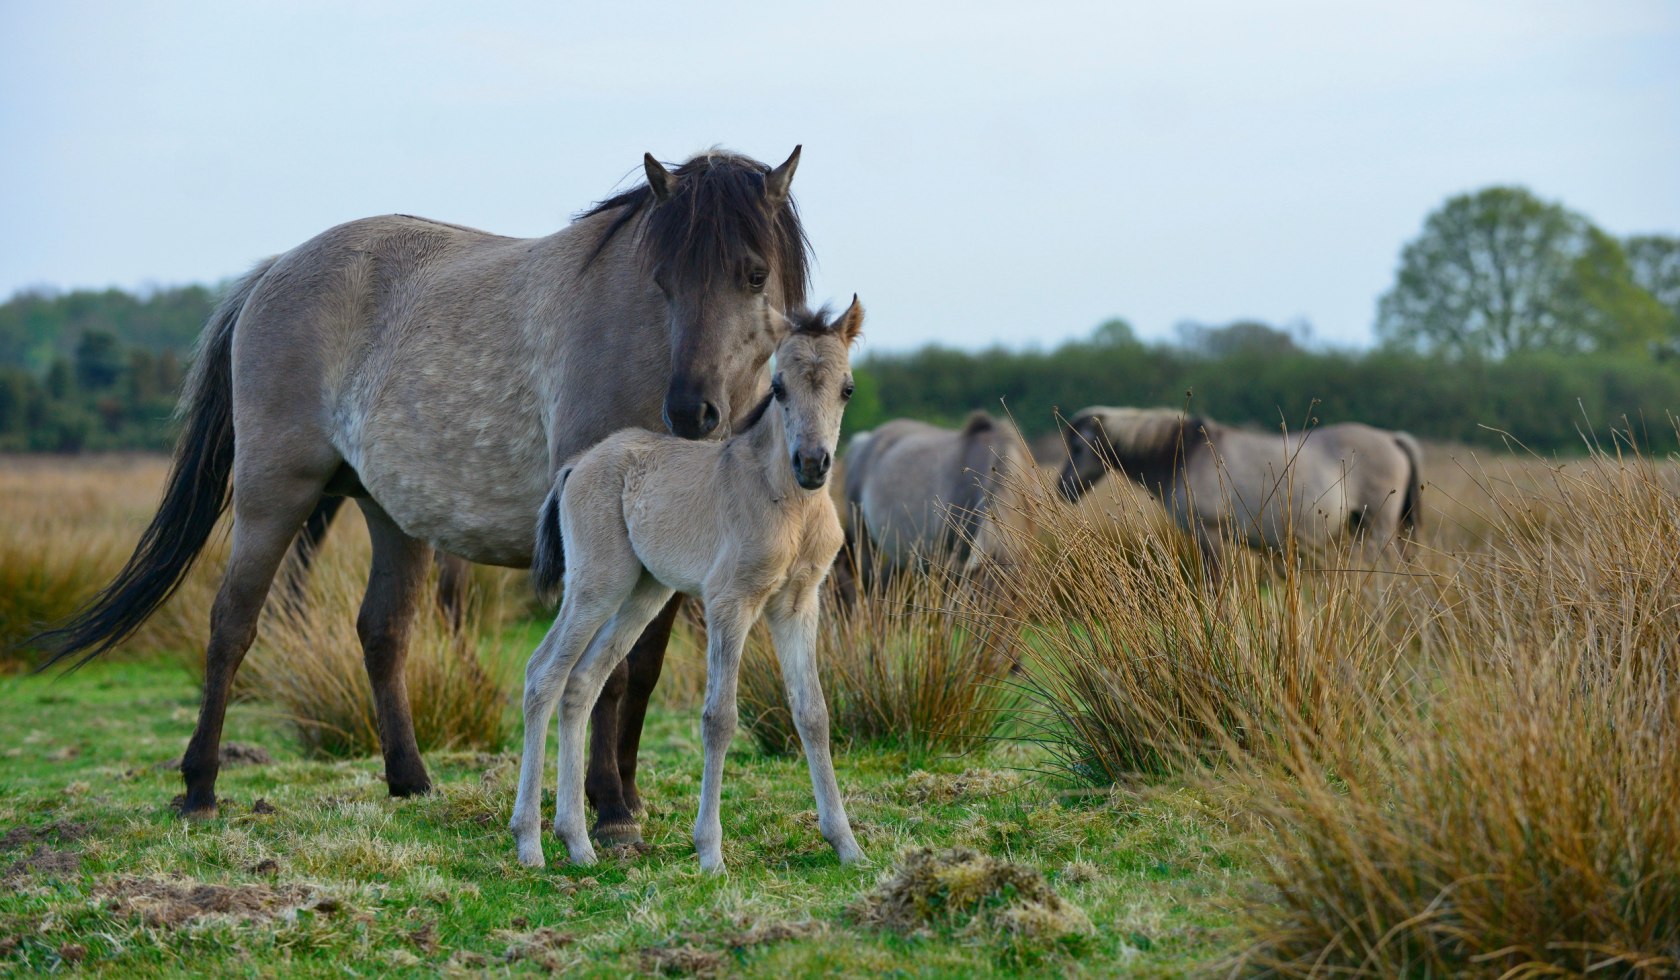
393, 342
913, 475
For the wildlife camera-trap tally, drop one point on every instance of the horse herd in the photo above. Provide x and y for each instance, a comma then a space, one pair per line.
464, 388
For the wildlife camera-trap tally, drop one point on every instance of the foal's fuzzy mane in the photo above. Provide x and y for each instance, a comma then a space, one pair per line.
713, 219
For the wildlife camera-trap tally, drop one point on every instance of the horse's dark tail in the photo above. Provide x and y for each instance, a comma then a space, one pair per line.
548, 559
193, 500
1411, 505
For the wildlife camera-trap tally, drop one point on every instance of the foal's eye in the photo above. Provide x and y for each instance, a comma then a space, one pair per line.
757, 278
847, 389
777, 391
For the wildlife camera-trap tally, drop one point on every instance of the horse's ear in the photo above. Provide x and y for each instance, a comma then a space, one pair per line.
660, 179
850, 324
777, 181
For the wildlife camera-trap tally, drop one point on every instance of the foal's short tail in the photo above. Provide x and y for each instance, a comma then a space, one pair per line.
548, 560
1411, 505
193, 500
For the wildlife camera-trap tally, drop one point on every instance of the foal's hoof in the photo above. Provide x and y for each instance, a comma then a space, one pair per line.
196, 812
618, 833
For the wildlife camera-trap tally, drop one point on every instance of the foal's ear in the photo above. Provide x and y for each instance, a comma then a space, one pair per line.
777, 181
850, 324
660, 179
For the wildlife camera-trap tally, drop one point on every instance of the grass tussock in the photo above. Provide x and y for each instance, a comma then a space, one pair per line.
1136, 667
908, 665
1517, 812
963, 891
307, 661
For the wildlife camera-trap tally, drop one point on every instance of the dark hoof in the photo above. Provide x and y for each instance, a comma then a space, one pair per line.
618, 834
196, 812
420, 788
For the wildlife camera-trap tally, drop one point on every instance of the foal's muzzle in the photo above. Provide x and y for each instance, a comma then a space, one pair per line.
811, 469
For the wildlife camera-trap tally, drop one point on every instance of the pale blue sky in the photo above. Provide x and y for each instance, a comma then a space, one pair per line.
979, 173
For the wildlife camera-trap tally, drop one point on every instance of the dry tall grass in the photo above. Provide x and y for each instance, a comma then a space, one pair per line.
910, 664
1468, 763
72, 522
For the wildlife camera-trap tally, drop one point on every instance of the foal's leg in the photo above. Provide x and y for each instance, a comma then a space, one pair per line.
727, 624
580, 620
583, 689
793, 627
615, 732
268, 508
395, 580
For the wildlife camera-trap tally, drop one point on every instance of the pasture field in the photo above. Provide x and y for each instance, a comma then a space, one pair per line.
1465, 763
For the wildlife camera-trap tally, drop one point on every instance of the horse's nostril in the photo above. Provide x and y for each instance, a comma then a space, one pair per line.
824, 463
709, 417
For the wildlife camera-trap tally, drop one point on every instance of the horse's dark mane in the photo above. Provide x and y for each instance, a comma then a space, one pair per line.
716, 215
978, 422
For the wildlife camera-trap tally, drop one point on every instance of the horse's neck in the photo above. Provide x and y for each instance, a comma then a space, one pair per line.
596, 331
765, 453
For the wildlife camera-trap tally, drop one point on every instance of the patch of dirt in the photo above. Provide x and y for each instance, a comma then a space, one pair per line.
765, 933
938, 787
539, 946
263, 806
976, 893
44, 863
171, 902
686, 960
72, 952
267, 866
64, 831
231, 754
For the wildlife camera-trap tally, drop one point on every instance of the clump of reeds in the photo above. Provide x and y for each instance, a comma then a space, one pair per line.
1516, 812
307, 661
1138, 665
913, 662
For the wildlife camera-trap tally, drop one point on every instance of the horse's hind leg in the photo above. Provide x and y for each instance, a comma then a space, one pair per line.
308, 543
268, 510
615, 732
395, 580
583, 691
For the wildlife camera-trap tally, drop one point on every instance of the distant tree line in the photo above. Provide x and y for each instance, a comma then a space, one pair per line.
94, 370
1508, 314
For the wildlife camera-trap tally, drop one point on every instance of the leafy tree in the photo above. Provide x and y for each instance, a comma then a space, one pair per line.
1602, 300
1485, 276
99, 360
1242, 337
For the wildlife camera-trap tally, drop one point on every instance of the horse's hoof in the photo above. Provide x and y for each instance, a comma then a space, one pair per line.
406, 789
618, 834
196, 812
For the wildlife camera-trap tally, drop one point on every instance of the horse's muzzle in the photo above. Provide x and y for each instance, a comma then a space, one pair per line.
694, 420
811, 469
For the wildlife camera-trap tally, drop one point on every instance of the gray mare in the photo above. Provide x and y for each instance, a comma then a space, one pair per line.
917, 492
440, 375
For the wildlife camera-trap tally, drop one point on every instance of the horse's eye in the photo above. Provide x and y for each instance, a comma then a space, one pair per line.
757, 278
777, 391
846, 392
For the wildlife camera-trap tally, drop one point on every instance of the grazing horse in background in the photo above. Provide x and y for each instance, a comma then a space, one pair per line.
440, 375
1221, 483
743, 524
915, 492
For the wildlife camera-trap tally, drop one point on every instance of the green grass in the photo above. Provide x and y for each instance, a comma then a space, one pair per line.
431, 884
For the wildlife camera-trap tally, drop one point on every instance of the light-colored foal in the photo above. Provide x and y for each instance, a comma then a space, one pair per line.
745, 525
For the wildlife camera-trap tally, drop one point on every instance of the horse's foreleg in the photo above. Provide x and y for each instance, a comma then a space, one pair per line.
793, 627
263, 530
583, 691
726, 635
395, 580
